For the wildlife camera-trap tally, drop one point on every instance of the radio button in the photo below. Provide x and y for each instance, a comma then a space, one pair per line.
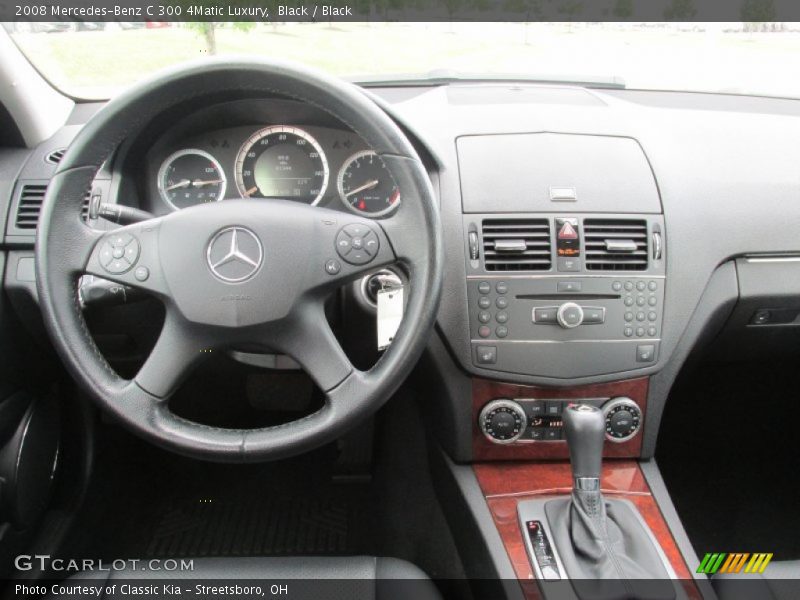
547, 314
593, 315
569, 315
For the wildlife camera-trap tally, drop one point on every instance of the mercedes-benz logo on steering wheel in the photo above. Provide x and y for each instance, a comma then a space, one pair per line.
234, 254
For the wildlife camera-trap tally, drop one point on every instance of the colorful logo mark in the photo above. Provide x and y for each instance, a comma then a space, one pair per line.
721, 562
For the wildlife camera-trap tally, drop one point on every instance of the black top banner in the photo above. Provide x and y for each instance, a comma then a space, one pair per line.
748, 11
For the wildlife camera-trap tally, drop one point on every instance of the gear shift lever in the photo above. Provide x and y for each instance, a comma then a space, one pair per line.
585, 427
601, 542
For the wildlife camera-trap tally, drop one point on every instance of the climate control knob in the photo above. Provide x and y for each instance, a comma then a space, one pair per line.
623, 419
503, 421
569, 315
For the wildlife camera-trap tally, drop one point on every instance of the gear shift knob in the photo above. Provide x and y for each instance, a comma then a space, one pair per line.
585, 429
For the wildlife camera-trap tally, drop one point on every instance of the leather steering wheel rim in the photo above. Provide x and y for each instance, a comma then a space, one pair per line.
286, 316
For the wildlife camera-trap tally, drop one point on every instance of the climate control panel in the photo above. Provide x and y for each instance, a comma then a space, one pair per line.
508, 421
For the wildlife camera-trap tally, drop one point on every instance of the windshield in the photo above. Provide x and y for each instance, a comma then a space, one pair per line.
97, 60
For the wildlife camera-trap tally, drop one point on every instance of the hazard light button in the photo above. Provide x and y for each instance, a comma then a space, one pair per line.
568, 239
567, 231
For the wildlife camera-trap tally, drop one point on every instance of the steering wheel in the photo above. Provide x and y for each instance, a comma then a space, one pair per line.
237, 272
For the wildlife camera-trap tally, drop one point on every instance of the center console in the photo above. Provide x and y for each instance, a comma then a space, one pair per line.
565, 248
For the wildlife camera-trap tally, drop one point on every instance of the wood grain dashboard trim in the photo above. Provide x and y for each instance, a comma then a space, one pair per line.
504, 485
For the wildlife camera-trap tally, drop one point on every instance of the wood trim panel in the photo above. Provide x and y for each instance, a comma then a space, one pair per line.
484, 390
504, 485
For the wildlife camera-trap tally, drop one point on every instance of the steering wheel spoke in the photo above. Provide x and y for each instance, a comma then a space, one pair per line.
179, 348
307, 337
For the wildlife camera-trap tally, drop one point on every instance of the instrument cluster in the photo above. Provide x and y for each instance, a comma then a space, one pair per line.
316, 165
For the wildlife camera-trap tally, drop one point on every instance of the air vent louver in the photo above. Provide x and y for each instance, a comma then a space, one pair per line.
55, 156
516, 245
30, 205
615, 244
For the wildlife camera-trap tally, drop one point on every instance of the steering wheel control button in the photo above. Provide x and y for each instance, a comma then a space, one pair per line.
106, 254
484, 317
484, 287
484, 302
501, 331
501, 287
119, 253
141, 273
501, 302
503, 421
343, 244
357, 244
623, 419
502, 317
332, 267
486, 355
569, 315
484, 331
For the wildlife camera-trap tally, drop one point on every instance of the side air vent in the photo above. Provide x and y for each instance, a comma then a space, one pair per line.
55, 156
516, 244
30, 205
615, 244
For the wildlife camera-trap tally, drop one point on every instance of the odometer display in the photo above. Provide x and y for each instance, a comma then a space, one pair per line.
366, 186
282, 162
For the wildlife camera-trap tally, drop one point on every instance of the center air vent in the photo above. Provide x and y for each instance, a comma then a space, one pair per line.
615, 244
30, 205
516, 244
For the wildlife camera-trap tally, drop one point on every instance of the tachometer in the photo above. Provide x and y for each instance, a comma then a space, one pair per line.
366, 186
282, 162
189, 177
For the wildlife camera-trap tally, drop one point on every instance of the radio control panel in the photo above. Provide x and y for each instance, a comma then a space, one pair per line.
565, 296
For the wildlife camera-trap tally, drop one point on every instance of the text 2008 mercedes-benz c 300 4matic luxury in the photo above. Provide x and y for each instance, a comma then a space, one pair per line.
387, 309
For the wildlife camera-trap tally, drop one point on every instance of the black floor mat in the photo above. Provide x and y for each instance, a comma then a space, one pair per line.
728, 451
189, 508
278, 524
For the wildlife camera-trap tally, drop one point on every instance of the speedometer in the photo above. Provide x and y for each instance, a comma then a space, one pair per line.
282, 162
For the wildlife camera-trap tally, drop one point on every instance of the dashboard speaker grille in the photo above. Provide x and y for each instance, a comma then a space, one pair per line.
615, 244
30, 206
517, 245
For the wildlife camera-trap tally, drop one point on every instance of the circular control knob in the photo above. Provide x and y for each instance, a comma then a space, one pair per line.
623, 419
569, 315
503, 421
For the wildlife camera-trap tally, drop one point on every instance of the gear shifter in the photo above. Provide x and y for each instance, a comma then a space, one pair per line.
585, 429
603, 544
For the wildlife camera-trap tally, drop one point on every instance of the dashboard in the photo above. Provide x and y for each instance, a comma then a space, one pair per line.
648, 216
288, 154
